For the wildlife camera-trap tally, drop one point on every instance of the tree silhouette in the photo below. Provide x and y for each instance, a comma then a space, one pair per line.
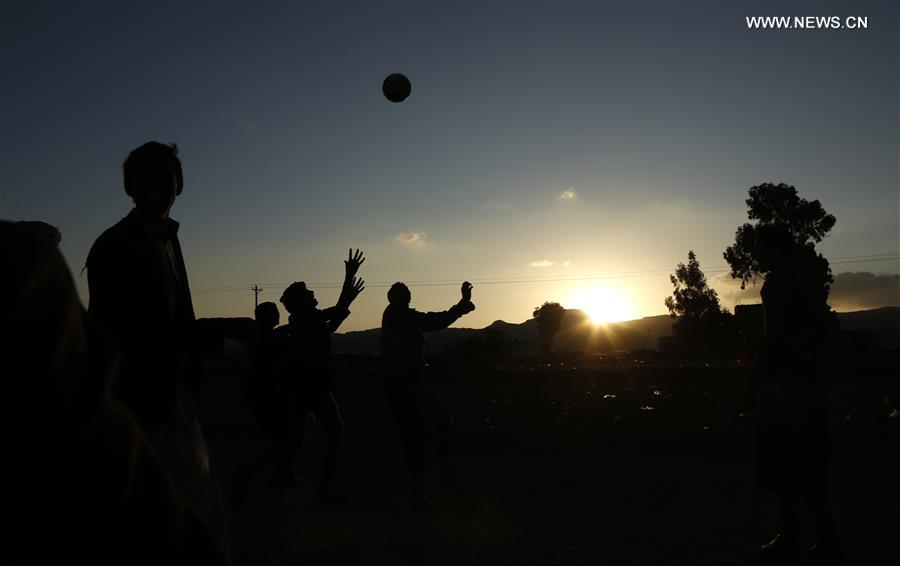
771, 204
701, 321
692, 297
549, 318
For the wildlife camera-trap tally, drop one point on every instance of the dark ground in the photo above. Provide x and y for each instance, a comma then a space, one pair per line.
565, 474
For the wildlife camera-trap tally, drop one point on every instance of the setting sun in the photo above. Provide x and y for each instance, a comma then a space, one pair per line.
602, 305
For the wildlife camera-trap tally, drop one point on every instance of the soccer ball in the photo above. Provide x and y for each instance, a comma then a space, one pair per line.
396, 87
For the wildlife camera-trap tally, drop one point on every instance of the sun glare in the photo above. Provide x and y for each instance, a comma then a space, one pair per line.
602, 305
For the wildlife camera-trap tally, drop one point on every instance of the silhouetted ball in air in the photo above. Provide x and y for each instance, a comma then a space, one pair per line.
396, 87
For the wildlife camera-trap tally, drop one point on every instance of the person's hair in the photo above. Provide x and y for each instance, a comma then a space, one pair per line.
150, 159
266, 309
398, 294
293, 290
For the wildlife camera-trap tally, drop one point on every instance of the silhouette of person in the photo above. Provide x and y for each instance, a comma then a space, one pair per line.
788, 390
262, 386
414, 404
265, 397
267, 316
140, 296
90, 490
308, 382
47, 230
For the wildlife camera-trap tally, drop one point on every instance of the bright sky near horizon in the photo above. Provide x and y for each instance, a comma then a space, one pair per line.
546, 148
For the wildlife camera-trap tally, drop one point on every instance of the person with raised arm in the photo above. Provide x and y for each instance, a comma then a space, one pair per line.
308, 382
415, 405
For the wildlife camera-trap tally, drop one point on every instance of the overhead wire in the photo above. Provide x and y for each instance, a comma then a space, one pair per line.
231, 290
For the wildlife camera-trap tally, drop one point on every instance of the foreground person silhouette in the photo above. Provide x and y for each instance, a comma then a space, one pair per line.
139, 296
308, 384
789, 392
414, 404
88, 489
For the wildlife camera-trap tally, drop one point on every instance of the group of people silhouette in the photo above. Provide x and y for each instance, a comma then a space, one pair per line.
139, 294
119, 384
291, 381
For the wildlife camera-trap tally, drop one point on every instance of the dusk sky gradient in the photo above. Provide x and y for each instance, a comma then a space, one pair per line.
656, 118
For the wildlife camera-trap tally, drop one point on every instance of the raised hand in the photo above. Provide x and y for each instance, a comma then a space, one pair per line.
466, 292
356, 287
353, 261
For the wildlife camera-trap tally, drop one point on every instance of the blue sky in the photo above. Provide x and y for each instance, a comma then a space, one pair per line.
656, 116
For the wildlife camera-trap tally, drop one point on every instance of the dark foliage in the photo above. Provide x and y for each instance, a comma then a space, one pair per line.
702, 324
771, 204
549, 318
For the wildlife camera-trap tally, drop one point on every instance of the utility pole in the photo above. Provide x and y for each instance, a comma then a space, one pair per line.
256, 291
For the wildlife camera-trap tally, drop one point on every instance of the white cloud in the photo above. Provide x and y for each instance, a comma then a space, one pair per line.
568, 194
567, 264
730, 292
542, 263
412, 239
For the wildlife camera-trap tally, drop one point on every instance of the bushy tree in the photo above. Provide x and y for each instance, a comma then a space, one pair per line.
795, 225
549, 319
701, 321
777, 204
692, 297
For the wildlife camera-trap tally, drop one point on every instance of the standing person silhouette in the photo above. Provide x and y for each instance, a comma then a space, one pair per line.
262, 388
308, 383
788, 391
264, 397
116, 504
413, 402
140, 296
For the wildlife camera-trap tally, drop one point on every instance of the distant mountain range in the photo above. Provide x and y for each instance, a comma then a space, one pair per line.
578, 333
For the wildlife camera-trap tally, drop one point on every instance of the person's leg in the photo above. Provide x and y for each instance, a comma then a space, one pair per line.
274, 425
789, 510
780, 474
819, 508
815, 495
403, 396
785, 542
296, 430
272, 459
444, 434
329, 417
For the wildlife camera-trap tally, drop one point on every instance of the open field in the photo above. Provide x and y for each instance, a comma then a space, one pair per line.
571, 466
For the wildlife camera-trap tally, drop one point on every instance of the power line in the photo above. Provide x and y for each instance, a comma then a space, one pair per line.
842, 260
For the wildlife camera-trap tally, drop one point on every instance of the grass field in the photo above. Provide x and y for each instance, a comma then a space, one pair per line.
627, 465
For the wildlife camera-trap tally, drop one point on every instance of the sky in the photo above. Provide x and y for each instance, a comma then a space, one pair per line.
547, 152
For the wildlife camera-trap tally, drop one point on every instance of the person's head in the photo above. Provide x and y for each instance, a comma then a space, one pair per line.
152, 178
773, 246
44, 330
399, 294
267, 315
47, 230
297, 298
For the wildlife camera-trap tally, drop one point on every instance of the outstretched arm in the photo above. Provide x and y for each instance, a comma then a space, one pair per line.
351, 289
431, 321
352, 286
